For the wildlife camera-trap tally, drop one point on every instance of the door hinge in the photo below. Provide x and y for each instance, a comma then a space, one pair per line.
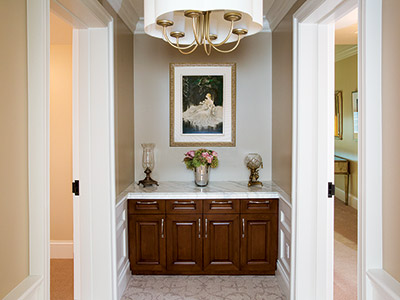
331, 190
75, 187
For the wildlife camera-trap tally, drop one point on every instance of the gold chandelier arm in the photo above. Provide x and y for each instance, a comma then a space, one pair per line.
208, 31
207, 49
195, 32
189, 52
175, 46
230, 50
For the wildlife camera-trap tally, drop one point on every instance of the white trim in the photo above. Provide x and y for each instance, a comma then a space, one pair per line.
278, 11
122, 251
384, 285
346, 53
283, 280
38, 23
31, 288
370, 254
61, 249
313, 84
341, 195
126, 11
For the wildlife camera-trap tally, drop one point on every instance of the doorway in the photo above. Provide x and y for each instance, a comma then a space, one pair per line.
346, 157
61, 199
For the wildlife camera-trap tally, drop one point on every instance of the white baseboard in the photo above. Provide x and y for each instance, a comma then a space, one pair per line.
283, 281
340, 194
123, 280
384, 285
31, 288
61, 249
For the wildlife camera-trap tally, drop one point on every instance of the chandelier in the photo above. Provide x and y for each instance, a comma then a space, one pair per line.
188, 24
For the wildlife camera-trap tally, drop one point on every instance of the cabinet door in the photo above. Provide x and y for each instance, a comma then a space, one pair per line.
259, 243
184, 244
221, 243
147, 244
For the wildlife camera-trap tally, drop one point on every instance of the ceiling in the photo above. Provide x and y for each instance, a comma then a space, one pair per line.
131, 11
346, 32
138, 6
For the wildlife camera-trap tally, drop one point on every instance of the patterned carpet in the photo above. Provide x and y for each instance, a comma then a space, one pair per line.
203, 287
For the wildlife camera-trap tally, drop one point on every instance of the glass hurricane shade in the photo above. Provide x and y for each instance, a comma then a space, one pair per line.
173, 10
148, 156
253, 161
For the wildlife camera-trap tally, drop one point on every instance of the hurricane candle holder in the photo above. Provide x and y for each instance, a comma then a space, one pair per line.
148, 164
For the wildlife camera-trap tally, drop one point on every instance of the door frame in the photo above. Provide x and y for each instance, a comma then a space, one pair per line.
97, 163
311, 277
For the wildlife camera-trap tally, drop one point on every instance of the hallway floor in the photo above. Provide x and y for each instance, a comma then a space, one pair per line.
61, 279
203, 287
345, 265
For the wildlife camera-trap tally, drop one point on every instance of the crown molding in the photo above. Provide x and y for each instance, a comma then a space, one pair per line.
126, 11
278, 11
346, 53
140, 26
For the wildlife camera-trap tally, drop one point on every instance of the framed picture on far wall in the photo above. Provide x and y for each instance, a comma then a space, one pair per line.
203, 105
354, 96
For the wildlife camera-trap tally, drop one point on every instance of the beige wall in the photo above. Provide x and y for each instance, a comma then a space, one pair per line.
61, 205
14, 146
253, 103
391, 136
124, 121
346, 81
282, 101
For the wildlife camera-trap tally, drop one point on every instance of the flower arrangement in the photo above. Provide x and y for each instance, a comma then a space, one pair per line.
201, 157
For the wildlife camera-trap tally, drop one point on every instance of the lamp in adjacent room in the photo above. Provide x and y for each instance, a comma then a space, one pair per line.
148, 164
188, 24
253, 162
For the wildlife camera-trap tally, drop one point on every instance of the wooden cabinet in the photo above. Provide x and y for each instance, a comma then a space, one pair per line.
221, 243
184, 243
147, 244
259, 243
222, 236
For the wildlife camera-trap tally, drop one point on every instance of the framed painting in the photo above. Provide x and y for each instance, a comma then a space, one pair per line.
339, 115
203, 105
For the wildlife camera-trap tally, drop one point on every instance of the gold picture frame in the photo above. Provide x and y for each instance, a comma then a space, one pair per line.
203, 105
339, 115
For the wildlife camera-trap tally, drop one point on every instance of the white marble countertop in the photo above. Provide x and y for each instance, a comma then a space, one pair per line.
214, 190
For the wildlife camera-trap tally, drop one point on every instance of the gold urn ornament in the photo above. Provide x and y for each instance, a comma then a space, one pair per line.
253, 162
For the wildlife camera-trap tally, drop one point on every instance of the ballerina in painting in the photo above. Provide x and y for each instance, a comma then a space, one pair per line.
204, 115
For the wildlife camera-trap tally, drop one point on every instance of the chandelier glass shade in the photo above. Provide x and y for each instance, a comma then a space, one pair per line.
188, 24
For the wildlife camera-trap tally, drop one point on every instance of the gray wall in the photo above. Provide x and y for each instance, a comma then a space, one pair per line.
253, 103
123, 92
282, 101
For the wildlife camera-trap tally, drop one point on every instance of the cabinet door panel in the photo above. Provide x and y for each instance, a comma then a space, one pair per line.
221, 244
147, 243
259, 243
184, 243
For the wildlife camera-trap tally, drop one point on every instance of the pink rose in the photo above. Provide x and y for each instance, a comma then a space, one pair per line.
214, 153
209, 159
205, 154
190, 154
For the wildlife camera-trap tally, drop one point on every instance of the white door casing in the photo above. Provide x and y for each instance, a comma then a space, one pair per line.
94, 209
313, 147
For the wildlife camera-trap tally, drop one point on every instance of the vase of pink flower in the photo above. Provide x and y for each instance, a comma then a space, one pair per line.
200, 161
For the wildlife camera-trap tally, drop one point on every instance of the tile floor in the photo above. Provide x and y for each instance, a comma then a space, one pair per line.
203, 287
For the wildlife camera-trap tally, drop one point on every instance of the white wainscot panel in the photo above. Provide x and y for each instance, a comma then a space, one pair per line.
284, 240
122, 246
